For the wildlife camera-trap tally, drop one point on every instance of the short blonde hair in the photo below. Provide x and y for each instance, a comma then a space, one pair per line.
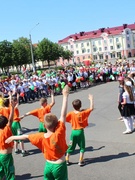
50, 121
43, 101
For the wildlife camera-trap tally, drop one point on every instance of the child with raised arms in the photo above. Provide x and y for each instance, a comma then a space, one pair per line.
6, 159
79, 120
52, 143
40, 112
16, 128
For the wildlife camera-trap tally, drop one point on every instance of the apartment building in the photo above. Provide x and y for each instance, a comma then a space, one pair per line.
99, 45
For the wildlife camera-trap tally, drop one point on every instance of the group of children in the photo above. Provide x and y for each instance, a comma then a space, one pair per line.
51, 138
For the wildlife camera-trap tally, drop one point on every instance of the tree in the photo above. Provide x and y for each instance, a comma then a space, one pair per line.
21, 52
44, 50
67, 54
5, 55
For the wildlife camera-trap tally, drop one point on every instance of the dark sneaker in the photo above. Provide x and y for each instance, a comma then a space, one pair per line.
18, 151
81, 163
25, 153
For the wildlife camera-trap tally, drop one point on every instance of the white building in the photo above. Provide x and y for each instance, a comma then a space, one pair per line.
99, 45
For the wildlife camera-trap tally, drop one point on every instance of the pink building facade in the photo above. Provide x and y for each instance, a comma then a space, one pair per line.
99, 45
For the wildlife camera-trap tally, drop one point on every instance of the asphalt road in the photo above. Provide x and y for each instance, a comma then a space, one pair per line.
109, 155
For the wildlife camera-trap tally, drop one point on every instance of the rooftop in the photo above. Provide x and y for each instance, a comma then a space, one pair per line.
97, 33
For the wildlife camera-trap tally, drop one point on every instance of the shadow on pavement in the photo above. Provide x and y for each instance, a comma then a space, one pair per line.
27, 176
34, 151
26, 130
107, 158
90, 148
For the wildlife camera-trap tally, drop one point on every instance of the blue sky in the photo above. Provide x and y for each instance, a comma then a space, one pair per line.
60, 18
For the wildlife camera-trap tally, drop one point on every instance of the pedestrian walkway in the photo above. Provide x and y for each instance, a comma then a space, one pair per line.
110, 155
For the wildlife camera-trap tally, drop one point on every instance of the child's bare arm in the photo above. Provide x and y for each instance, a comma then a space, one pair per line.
10, 120
12, 138
91, 101
17, 100
52, 99
26, 114
64, 104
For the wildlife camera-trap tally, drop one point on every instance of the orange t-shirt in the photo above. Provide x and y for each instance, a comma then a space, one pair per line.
40, 113
5, 111
53, 147
4, 134
16, 115
78, 120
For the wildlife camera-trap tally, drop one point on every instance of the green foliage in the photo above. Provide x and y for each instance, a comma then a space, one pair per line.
58, 68
18, 53
5, 54
21, 52
67, 54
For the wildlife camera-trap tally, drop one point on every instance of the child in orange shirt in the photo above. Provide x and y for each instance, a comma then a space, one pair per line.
40, 112
6, 159
79, 120
16, 128
53, 143
5, 110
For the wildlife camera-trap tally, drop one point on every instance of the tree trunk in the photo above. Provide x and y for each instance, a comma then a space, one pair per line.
48, 64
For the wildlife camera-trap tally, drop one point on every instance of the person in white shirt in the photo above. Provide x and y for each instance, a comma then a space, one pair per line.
128, 107
26, 90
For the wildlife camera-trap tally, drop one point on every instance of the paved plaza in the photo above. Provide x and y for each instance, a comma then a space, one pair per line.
109, 155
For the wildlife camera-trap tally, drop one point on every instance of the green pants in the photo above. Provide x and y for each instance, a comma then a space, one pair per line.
16, 128
42, 128
55, 171
7, 167
76, 137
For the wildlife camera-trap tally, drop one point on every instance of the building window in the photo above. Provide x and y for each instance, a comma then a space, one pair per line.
111, 47
129, 54
100, 56
88, 50
105, 42
95, 57
105, 48
82, 45
112, 55
78, 59
127, 32
87, 43
88, 57
77, 52
93, 43
94, 49
118, 46
128, 45
83, 57
83, 50
119, 55
66, 47
117, 39
127, 38
111, 40
71, 46
100, 49
76, 45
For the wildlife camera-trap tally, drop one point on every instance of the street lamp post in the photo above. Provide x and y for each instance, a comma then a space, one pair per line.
31, 48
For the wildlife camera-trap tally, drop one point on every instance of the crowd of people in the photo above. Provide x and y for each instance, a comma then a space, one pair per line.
51, 138
38, 84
